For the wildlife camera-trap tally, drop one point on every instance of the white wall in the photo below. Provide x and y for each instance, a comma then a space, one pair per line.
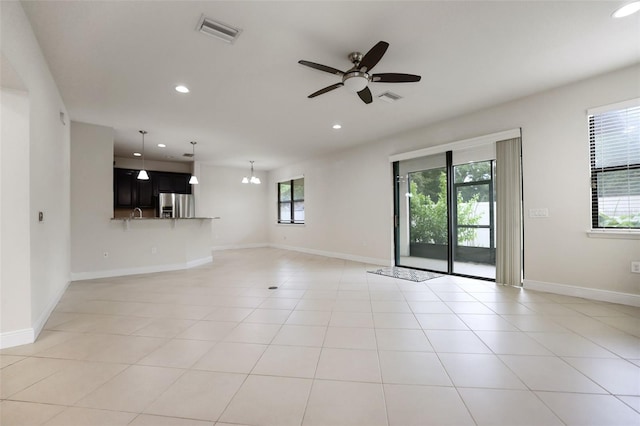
47, 164
15, 270
241, 208
91, 191
348, 206
348, 195
142, 246
162, 166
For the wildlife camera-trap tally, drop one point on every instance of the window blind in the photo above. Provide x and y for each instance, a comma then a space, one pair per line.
615, 168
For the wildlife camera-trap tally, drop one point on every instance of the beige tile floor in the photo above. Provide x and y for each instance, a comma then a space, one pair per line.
333, 345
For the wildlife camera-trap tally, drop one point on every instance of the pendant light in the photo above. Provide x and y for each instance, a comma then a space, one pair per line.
253, 179
193, 180
142, 175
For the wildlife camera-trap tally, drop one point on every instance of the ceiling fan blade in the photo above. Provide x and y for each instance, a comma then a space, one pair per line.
373, 56
321, 67
395, 78
365, 95
325, 90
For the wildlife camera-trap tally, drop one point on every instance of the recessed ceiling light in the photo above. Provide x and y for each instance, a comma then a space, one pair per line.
161, 145
337, 126
137, 154
627, 9
182, 89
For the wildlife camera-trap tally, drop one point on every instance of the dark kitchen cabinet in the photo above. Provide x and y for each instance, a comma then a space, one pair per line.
171, 182
181, 184
129, 192
145, 194
124, 188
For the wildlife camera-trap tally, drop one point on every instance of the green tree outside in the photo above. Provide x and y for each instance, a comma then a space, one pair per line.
428, 210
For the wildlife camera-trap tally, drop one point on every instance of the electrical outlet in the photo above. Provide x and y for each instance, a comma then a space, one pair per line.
105, 254
154, 250
635, 267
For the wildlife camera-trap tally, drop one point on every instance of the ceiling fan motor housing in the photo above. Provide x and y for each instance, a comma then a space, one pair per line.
355, 58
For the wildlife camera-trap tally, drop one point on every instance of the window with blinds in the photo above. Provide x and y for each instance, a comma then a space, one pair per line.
615, 166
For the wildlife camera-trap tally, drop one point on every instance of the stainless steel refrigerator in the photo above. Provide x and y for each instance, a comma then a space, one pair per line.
176, 205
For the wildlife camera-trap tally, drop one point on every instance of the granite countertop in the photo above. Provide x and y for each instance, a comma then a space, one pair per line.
162, 218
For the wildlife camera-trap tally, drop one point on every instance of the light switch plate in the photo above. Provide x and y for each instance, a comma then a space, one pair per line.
539, 212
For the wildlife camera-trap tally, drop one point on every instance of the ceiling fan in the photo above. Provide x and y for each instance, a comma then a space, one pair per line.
358, 77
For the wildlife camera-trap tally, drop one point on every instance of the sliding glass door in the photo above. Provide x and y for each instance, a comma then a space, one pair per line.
422, 221
445, 218
474, 251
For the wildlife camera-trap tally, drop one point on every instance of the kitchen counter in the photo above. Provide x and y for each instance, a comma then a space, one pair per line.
162, 218
144, 245
127, 220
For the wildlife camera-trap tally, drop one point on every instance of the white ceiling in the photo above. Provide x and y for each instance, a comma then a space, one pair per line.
116, 64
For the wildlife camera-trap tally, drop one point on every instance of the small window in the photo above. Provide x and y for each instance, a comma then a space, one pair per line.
615, 167
291, 201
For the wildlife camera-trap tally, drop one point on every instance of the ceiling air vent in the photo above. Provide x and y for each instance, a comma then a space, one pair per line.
218, 30
187, 154
390, 97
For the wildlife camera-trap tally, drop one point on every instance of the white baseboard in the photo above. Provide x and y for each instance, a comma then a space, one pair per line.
239, 246
79, 276
586, 293
44, 316
29, 335
199, 262
345, 256
10, 339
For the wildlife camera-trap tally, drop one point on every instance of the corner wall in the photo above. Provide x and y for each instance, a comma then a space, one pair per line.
240, 208
47, 164
15, 252
91, 190
348, 206
348, 195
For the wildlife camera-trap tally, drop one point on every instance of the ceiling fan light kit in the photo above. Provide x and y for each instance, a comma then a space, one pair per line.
357, 79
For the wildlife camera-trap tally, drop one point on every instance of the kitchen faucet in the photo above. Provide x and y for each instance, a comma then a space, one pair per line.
133, 214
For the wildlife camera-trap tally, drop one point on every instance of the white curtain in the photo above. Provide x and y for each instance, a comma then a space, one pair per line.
509, 212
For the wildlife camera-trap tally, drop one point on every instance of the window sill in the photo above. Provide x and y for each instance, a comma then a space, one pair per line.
631, 234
